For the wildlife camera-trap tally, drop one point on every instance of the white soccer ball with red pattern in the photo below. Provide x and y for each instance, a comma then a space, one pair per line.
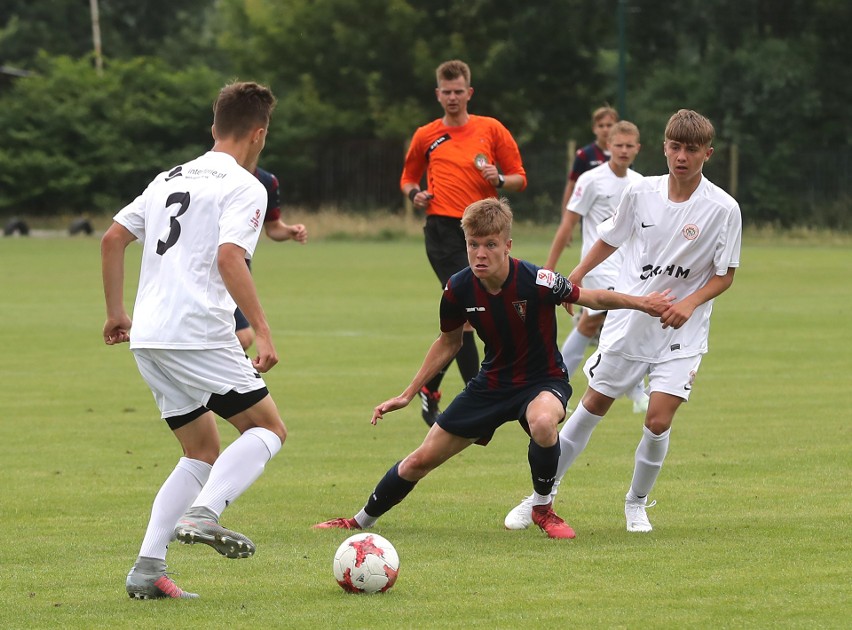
366, 563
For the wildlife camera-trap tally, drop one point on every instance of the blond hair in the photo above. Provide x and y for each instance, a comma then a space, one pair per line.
488, 216
624, 127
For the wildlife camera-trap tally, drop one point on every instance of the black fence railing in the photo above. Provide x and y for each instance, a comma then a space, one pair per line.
359, 176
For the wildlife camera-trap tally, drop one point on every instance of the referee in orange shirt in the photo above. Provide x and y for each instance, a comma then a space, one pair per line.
465, 158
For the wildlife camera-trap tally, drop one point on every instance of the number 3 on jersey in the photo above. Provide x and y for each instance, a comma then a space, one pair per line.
174, 226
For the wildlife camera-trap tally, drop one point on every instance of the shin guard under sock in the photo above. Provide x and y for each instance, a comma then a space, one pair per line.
389, 491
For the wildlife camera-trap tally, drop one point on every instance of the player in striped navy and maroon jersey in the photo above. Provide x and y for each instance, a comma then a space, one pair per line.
517, 326
460, 154
511, 304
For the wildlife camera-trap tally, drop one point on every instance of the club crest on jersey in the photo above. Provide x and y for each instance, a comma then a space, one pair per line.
480, 161
521, 309
690, 232
255, 220
545, 278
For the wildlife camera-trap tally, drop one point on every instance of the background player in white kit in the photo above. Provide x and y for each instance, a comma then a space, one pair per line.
594, 200
198, 223
679, 232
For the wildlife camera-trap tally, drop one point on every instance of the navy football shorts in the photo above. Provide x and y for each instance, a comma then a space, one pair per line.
477, 412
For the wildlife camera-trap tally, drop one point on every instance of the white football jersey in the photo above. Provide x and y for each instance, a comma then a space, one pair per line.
595, 198
667, 245
181, 219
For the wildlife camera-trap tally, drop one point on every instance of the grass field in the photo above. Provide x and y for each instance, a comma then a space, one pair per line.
754, 504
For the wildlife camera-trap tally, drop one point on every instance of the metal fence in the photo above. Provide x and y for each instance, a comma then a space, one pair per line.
359, 176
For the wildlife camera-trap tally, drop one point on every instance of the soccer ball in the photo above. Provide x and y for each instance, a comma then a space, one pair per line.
366, 563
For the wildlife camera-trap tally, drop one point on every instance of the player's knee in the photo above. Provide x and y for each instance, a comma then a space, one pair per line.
415, 467
596, 403
273, 425
658, 424
661, 412
204, 452
280, 430
589, 326
271, 420
543, 428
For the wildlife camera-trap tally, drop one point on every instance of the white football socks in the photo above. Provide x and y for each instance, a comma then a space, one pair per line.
237, 468
176, 495
573, 438
574, 349
365, 520
540, 499
649, 458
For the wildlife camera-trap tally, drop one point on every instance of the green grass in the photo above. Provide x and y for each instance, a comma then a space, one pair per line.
753, 515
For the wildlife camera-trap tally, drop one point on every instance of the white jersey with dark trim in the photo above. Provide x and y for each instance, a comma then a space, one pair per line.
595, 198
668, 245
181, 219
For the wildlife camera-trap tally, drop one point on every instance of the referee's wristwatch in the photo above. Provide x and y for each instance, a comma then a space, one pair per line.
500, 180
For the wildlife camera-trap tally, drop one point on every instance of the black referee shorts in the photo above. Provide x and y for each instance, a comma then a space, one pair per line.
445, 246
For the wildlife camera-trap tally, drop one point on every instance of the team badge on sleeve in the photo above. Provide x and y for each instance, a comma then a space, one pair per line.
255, 220
557, 283
546, 278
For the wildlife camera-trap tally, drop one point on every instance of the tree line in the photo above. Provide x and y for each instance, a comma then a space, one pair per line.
773, 77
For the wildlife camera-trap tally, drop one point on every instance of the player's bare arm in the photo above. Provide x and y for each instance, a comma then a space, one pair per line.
654, 304
113, 245
280, 231
441, 352
237, 277
562, 238
567, 193
677, 314
598, 253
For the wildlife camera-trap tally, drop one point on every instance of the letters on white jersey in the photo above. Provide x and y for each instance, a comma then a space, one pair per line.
181, 219
668, 245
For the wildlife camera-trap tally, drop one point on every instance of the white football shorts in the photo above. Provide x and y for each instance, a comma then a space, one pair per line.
612, 375
598, 282
183, 380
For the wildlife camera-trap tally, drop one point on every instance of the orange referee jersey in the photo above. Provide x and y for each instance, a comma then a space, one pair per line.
449, 156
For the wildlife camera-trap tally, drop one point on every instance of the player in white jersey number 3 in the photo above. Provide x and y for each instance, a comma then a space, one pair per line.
198, 223
680, 232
